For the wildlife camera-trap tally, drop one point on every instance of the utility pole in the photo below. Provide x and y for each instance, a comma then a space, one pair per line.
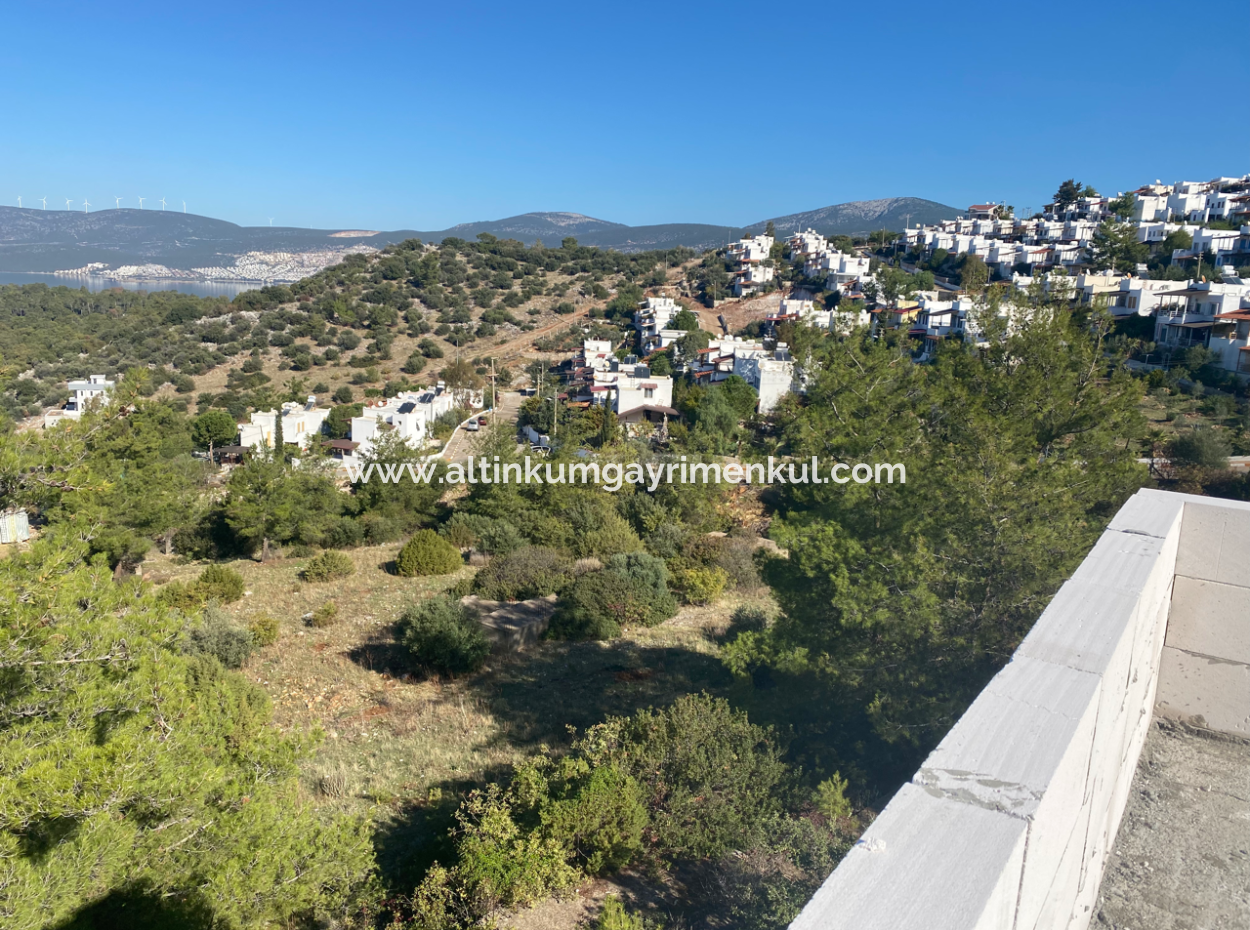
494, 393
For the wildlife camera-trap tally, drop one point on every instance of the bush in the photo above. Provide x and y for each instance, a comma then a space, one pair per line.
708, 774
328, 566
215, 635
532, 571
324, 616
219, 583
648, 578
597, 813
613, 916
443, 637
427, 553
830, 798
1202, 447
265, 630
595, 607
485, 534
701, 585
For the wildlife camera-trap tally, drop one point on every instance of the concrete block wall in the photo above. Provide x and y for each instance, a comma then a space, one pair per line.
1009, 821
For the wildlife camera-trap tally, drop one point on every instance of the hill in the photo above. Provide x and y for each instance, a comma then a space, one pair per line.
60, 240
861, 216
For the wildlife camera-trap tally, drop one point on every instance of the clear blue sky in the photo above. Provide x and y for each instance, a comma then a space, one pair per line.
384, 115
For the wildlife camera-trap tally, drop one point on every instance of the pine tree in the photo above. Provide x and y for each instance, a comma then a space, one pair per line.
130, 765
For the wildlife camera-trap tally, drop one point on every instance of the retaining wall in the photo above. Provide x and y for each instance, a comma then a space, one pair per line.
1008, 823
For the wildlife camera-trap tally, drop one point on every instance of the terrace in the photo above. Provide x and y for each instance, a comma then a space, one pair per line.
1040, 809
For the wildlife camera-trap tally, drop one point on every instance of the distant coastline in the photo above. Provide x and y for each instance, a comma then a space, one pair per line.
101, 283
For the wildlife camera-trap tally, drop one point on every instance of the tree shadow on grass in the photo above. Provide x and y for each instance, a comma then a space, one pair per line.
412, 838
537, 695
382, 653
143, 906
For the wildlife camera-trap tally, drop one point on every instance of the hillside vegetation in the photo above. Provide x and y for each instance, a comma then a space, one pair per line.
395, 316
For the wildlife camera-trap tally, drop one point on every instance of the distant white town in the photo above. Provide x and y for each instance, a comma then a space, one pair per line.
1203, 301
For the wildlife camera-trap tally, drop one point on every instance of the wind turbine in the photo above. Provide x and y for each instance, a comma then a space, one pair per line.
140, 203
67, 203
119, 202
271, 221
85, 205
162, 204
19, 201
184, 206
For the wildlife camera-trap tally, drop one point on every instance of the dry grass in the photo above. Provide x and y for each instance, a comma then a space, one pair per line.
402, 747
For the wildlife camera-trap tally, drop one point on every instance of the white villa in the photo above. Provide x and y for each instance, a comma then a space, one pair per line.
83, 393
653, 320
770, 372
754, 266
300, 424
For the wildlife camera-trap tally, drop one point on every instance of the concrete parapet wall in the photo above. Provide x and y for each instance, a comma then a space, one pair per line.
1009, 822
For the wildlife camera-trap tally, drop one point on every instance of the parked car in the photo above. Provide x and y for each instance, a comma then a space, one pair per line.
472, 426
482, 421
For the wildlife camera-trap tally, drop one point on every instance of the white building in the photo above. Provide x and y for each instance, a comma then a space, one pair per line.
769, 371
754, 265
409, 414
653, 320
1144, 297
807, 243
772, 376
84, 393
1209, 315
630, 388
301, 423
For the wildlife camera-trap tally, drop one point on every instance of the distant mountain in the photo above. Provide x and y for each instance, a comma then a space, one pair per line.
861, 216
58, 240
53, 240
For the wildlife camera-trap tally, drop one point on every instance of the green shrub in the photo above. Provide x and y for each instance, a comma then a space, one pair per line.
328, 566
485, 534
830, 798
265, 630
462, 587
532, 571
648, 584
708, 774
215, 635
596, 606
427, 553
443, 637
701, 585
326, 615
597, 813
500, 864
1203, 447
613, 916
183, 595
632, 590
219, 583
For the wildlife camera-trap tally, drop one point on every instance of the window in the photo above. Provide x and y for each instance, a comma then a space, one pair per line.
648, 393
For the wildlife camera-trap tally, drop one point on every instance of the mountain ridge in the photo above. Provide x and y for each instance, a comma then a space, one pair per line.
34, 240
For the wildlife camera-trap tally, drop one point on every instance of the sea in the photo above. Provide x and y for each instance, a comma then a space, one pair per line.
198, 288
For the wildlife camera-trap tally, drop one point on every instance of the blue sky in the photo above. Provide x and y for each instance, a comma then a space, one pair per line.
384, 115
